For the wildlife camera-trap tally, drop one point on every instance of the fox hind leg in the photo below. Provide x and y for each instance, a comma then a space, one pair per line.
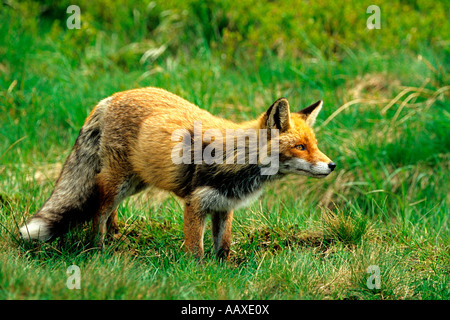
113, 224
105, 225
109, 187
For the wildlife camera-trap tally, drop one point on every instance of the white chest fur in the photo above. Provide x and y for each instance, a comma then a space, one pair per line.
212, 199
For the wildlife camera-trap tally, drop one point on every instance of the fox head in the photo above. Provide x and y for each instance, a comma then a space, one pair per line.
298, 149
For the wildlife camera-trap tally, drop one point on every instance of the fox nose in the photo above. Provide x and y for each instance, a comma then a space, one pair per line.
332, 165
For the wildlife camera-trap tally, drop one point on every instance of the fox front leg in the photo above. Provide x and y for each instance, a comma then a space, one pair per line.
221, 232
194, 228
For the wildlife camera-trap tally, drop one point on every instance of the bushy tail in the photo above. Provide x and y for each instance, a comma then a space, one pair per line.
75, 195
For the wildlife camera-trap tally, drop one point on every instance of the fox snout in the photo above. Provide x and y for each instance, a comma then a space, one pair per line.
318, 169
321, 169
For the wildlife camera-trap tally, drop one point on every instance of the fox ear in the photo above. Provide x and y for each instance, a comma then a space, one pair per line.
310, 113
278, 115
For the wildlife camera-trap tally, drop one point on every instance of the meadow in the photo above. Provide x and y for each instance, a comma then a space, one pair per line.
385, 123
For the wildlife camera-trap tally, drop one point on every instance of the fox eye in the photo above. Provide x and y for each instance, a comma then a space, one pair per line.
300, 147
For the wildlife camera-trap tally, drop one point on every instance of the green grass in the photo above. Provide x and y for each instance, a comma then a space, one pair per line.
386, 205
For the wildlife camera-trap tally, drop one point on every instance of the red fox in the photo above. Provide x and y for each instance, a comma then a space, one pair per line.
128, 143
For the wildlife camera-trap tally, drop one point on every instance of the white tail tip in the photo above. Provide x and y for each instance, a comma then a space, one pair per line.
36, 229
